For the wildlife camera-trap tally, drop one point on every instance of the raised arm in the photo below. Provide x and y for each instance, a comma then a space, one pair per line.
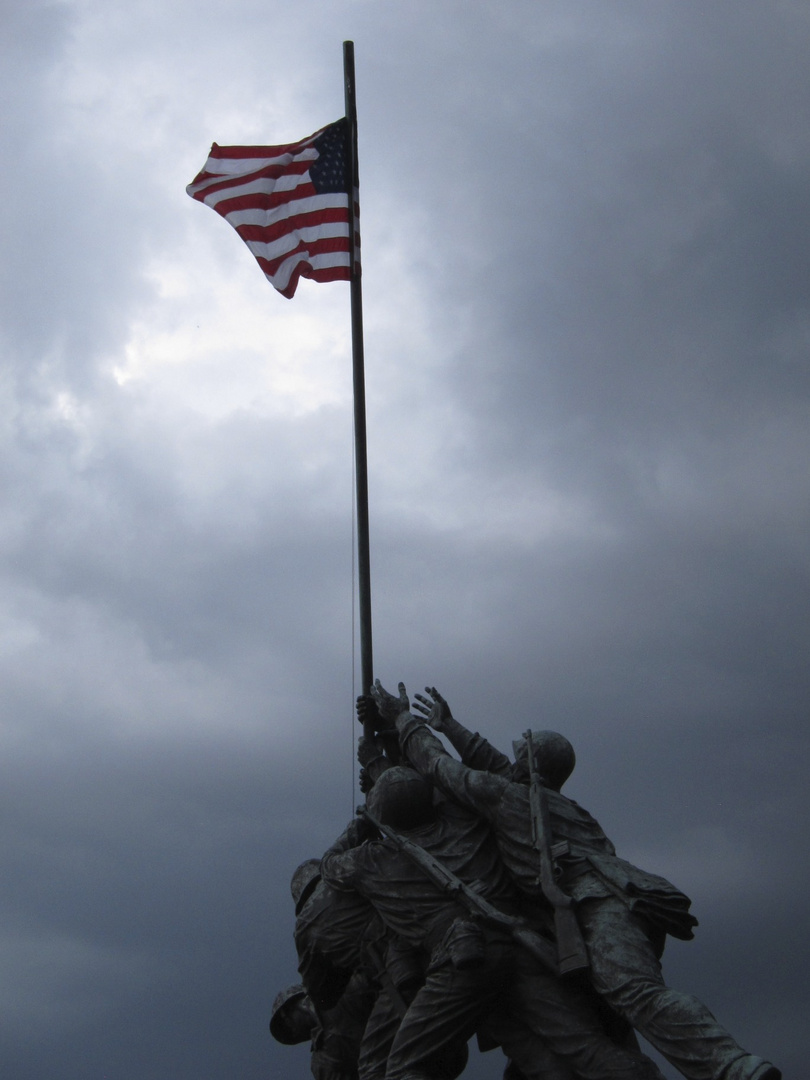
477, 790
473, 749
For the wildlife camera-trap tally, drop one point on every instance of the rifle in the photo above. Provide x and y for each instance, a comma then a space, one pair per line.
571, 953
541, 949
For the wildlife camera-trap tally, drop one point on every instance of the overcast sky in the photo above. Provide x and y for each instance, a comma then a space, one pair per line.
586, 238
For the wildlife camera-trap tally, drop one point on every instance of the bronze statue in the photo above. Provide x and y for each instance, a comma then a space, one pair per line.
473, 897
624, 913
474, 970
357, 981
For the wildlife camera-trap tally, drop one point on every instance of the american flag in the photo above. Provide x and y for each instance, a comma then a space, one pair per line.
290, 204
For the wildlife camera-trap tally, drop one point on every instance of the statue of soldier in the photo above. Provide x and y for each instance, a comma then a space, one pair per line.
624, 913
334, 1036
356, 977
472, 969
333, 933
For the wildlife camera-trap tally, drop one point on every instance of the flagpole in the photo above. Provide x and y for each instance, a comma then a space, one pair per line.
360, 456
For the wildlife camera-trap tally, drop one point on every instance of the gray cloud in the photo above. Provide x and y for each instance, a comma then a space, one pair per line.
585, 233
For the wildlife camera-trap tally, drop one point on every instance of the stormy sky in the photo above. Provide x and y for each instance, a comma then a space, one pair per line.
586, 245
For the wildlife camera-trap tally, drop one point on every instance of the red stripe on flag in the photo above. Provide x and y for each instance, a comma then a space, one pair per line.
333, 273
270, 173
280, 189
267, 233
306, 251
259, 200
247, 152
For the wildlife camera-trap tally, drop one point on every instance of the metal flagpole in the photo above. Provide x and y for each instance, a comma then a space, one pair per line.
361, 464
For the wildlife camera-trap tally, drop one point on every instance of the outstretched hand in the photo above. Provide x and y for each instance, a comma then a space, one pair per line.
434, 710
388, 706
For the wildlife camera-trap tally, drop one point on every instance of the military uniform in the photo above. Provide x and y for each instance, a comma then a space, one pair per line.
624, 912
539, 1013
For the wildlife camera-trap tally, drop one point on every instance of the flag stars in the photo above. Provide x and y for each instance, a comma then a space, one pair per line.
330, 171
294, 217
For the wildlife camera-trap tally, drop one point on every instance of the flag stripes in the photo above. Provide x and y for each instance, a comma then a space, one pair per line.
289, 203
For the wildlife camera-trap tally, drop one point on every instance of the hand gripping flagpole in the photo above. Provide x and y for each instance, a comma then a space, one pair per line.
360, 457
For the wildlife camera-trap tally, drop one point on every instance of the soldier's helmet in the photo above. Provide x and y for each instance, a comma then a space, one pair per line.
554, 758
402, 799
305, 878
291, 1019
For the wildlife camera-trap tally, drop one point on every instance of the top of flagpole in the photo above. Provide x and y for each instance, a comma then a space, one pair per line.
351, 116
348, 75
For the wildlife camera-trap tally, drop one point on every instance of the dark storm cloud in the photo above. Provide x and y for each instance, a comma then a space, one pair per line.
585, 242
75, 229
639, 340
678, 221
125, 914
